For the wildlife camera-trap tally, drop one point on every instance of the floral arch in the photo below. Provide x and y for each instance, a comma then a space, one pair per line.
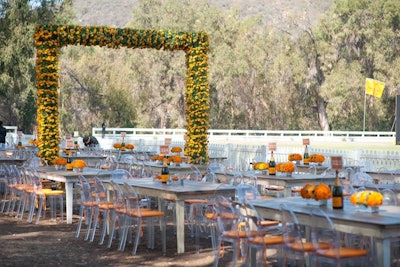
50, 39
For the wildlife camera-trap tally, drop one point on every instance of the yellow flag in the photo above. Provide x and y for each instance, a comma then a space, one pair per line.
374, 87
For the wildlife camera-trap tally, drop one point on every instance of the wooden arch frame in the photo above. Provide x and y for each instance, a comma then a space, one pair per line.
49, 39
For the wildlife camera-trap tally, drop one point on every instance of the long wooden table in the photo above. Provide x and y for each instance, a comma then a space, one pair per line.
179, 193
12, 161
296, 180
182, 169
69, 178
91, 160
383, 226
283, 181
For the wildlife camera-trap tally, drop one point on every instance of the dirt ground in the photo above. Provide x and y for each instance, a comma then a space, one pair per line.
54, 244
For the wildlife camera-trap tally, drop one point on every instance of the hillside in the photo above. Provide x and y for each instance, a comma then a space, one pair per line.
118, 12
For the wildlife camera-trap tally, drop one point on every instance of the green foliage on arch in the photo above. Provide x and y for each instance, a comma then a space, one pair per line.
50, 38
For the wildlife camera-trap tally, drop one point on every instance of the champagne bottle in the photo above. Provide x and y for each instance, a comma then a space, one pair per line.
69, 164
272, 165
165, 172
306, 156
337, 193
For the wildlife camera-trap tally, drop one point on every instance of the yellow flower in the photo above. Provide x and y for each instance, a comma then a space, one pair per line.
260, 166
367, 198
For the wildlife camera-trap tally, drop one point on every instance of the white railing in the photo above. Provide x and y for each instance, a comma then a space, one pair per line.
240, 147
225, 143
235, 135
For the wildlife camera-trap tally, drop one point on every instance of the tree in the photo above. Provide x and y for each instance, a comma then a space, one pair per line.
360, 39
17, 63
28, 113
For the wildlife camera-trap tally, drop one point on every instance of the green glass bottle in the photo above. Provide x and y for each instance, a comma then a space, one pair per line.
69, 163
337, 193
306, 156
164, 172
272, 165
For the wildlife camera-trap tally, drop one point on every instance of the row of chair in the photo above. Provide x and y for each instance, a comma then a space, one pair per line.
117, 206
244, 229
23, 190
238, 222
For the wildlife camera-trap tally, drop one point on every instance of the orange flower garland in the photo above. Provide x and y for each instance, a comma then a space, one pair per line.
368, 198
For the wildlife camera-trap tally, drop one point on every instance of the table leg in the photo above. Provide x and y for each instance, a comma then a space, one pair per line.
383, 252
180, 226
288, 191
69, 201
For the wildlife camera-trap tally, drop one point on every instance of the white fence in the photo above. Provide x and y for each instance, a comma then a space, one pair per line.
228, 136
241, 147
234, 144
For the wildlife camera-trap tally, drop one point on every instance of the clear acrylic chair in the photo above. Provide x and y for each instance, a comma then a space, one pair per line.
120, 174
248, 191
87, 205
361, 179
103, 208
15, 189
267, 245
296, 249
232, 228
117, 217
136, 218
39, 198
389, 197
25, 188
323, 234
194, 212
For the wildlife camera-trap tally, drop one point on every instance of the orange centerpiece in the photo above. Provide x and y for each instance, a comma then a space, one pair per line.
78, 163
